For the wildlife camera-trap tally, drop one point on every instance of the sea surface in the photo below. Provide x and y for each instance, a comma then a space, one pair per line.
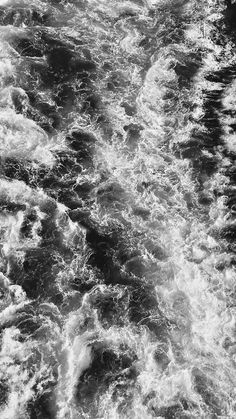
117, 209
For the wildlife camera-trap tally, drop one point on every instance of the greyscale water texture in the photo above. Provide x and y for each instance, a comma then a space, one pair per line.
118, 203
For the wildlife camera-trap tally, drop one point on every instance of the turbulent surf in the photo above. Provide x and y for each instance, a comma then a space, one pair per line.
117, 209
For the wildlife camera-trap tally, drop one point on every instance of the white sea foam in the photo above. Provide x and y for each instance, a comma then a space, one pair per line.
153, 193
22, 138
195, 296
14, 356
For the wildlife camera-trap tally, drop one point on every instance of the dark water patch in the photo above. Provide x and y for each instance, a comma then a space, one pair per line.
205, 165
230, 19
28, 48
65, 96
108, 367
180, 410
203, 148
42, 405
3, 392
37, 274
19, 100
17, 169
161, 356
35, 77
116, 81
142, 213
81, 141
102, 259
156, 250
222, 76
18, 16
67, 164
205, 198
33, 321
135, 266
92, 104
44, 41
38, 271
83, 217
50, 233
83, 190
83, 144
111, 194
65, 63
64, 68
106, 256
129, 271
46, 115
51, 182
187, 67
60, 182
111, 304
27, 321
12, 207
190, 148
130, 109
126, 14
210, 120
214, 142
208, 391
52, 39
224, 264
231, 199
144, 310
69, 198
28, 223
133, 130
231, 156
84, 282
126, 252
24, 171
49, 125
229, 233
105, 253
155, 36
60, 59
108, 238
201, 151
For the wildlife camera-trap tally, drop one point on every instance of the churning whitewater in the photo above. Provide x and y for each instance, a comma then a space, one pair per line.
117, 209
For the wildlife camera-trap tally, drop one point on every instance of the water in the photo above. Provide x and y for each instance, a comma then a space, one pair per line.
117, 222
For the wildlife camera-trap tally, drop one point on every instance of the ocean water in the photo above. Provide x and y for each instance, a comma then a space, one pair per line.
117, 209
